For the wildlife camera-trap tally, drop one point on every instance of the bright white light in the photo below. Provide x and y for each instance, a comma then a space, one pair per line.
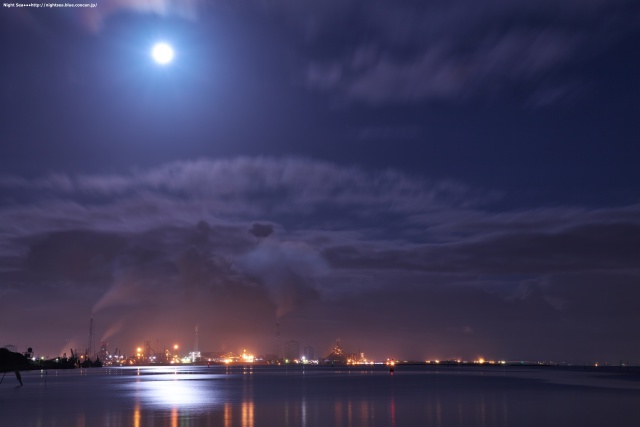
162, 53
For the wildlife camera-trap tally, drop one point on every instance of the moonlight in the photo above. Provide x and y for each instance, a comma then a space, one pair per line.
162, 53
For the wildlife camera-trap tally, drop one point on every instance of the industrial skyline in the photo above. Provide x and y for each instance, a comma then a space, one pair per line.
177, 350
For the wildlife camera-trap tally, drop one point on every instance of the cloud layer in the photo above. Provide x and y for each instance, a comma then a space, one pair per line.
331, 251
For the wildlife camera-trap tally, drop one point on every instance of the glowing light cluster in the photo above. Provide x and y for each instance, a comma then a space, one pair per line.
247, 358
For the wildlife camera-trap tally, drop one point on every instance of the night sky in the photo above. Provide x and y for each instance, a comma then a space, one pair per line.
418, 179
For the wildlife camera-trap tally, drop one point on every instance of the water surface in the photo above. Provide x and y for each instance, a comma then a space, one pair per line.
254, 396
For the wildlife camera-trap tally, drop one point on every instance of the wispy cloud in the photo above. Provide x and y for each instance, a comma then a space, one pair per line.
93, 18
424, 51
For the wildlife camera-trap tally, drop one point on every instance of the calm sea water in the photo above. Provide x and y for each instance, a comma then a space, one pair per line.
321, 396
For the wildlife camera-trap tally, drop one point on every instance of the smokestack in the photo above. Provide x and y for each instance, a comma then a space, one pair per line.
90, 346
277, 349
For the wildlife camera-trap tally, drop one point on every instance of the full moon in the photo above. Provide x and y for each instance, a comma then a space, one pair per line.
162, 53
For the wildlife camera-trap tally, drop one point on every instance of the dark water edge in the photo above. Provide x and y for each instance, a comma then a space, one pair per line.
253, 396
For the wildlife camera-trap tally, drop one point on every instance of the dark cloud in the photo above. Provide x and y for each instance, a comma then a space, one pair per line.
261, 230
393, 133
592, 247
77, 255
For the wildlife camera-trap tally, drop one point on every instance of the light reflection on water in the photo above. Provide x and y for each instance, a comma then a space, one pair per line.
247, 413
271, 396
228, 417
175, 392
136, 415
